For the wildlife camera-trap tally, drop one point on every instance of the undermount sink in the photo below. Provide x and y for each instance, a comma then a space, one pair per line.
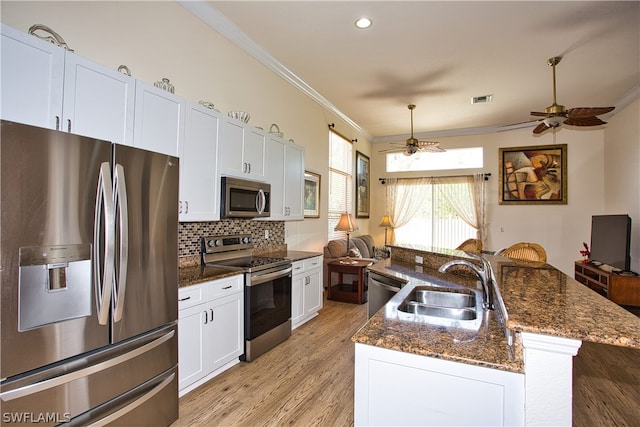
447, 303
432, 310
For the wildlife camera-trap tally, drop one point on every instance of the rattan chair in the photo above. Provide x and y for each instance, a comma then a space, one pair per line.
525, 251
471, 245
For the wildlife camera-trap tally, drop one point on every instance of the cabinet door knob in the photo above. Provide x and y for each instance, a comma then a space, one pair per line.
206, 317
211, 310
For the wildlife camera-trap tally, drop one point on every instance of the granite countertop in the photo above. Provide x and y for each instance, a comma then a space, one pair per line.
542, 300
538, 298
194, 274
191, 272
488, 347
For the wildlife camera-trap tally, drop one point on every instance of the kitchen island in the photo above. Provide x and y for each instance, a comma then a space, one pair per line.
479, 378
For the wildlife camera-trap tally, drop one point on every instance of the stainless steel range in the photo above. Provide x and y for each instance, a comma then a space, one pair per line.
267, 292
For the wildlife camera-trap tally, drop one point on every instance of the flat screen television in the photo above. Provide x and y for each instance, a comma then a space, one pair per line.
611, 240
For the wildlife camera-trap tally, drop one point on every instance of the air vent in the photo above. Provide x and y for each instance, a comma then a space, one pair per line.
481, 99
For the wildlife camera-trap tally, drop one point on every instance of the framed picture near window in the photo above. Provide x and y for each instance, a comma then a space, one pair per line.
311, 195
362, 185
533, 175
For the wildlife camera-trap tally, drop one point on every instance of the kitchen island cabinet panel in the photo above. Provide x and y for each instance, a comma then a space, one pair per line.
395, 388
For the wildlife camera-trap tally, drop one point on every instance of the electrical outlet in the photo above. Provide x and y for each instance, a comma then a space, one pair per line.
266, 234
419, 259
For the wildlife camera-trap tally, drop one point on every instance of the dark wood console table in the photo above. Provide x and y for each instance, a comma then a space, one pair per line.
623, 290
347, 281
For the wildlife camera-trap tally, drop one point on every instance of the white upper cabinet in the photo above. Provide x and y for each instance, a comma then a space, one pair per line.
285, 173
98, 101
32, 79
159, 120
242, 150
294, 182
199, 186
47, 86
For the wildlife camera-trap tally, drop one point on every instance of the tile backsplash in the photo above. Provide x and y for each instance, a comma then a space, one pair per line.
190, 233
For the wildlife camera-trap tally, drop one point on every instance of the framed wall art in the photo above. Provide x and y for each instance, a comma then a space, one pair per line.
533, 175
311, 195
362, 185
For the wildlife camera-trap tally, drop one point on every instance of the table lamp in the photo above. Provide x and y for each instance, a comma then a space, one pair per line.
386, 223
348, 225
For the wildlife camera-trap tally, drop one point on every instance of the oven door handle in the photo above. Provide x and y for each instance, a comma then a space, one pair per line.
256, 280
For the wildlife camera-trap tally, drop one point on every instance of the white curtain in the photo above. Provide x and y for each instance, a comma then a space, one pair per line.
404, 199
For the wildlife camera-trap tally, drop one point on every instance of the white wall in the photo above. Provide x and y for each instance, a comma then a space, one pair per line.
560, 229
162, 39
622, 172
603, 178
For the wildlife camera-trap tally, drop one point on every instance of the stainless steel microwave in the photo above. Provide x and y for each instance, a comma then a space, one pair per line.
242, 198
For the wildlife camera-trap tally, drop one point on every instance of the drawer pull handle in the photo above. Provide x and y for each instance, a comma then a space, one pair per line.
228, 287
184, 299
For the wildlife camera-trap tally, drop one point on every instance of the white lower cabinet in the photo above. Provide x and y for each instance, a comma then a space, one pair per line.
210, 330
306, 292
397, 388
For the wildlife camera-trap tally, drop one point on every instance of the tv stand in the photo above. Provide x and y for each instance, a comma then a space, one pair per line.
623, 290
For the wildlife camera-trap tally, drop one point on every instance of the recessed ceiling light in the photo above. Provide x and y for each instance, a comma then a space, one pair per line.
363, 23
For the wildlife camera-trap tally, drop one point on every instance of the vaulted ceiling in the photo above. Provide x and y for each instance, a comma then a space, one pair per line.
440, 54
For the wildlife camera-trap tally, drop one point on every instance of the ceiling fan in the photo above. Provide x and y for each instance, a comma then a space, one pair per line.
556, 115
412, 145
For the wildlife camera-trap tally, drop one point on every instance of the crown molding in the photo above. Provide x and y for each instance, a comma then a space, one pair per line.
220, 23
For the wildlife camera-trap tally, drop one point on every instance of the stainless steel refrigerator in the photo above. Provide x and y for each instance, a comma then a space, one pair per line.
89, 281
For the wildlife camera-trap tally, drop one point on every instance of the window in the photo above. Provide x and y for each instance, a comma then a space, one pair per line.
439, 212
436, 223
453, 158
340, 181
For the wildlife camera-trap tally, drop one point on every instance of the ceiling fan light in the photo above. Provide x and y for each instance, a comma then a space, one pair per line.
554, 121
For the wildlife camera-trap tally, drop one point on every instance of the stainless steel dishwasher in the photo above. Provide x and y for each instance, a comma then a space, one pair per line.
381, 290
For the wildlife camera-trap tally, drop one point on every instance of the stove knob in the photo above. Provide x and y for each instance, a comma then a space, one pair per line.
213, 243
218, 242
246, 240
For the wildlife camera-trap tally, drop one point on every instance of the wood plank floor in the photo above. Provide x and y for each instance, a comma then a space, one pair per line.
308, 381
305, 381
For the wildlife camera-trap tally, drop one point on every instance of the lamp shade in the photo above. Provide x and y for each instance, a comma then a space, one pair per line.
386, 222
346, 223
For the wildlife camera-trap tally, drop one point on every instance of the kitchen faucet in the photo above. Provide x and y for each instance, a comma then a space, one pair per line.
484, 273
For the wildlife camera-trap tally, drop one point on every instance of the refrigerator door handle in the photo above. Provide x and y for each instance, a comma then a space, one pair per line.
104, 207
85, 372
133, 405
120, 285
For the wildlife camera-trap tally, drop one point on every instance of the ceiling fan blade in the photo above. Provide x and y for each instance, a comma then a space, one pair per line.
432, 149
538, 113
541, 128
587, 112
584, 121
